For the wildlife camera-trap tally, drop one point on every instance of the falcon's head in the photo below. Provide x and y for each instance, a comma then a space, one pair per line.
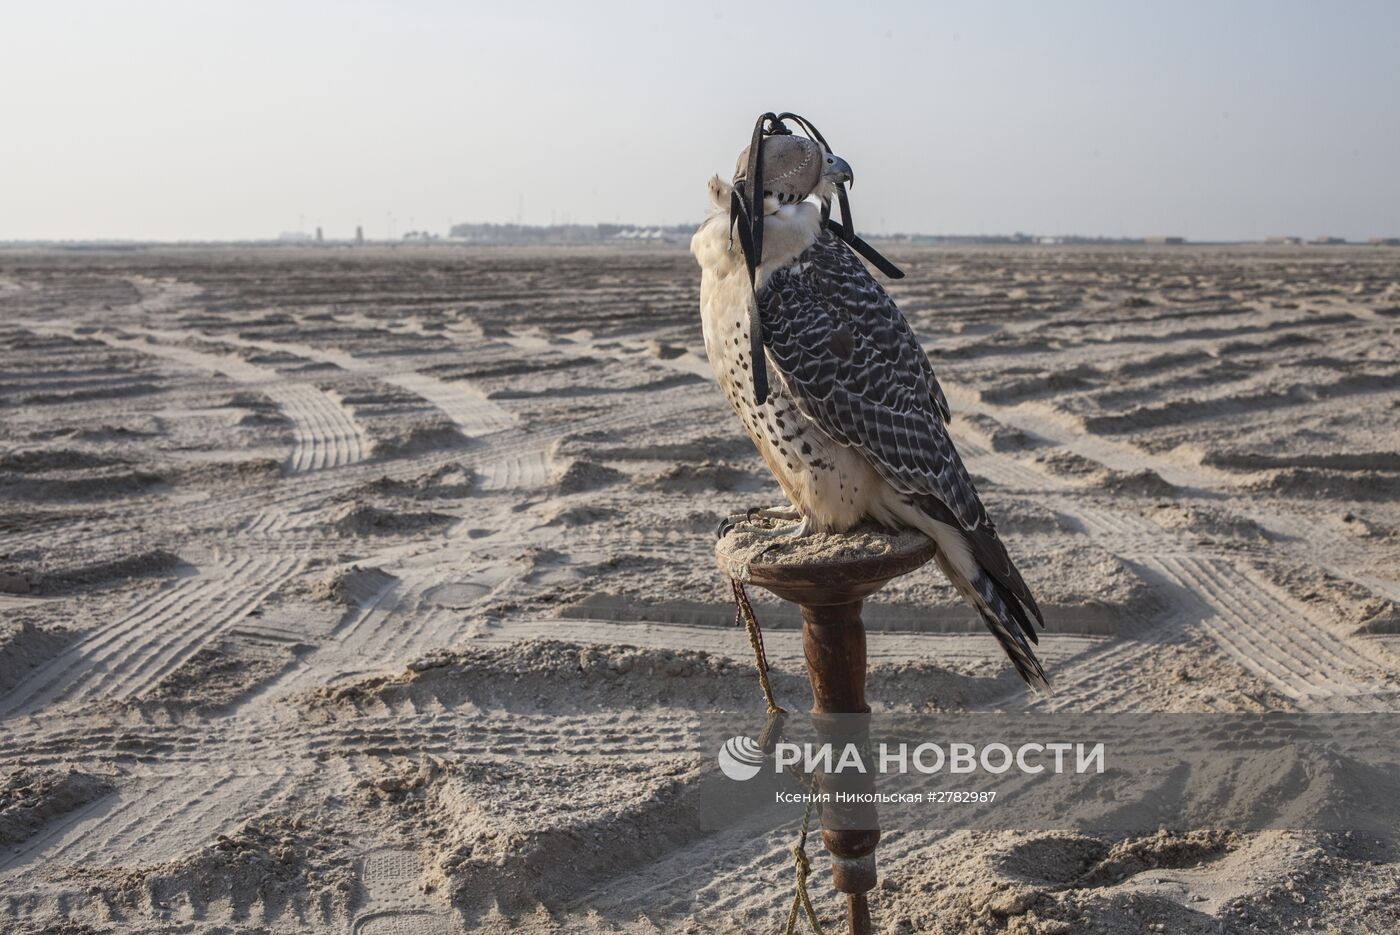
794, 169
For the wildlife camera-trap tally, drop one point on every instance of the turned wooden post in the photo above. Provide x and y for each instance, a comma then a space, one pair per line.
830, 593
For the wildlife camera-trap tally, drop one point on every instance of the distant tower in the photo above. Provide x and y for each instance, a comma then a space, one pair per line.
360, 234
319, 238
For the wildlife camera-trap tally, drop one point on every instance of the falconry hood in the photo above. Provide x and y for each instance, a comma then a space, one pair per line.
779, 164
792, 167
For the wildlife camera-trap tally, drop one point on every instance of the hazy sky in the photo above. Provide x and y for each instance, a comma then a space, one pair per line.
205, 120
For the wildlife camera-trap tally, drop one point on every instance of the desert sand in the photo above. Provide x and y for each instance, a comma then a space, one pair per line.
314, 562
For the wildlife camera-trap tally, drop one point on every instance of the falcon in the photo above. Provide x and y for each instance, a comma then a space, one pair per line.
830, 382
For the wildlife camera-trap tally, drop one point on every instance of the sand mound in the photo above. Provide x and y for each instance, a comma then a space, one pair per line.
1209, 522
549, 675
152, 563
1286, 788
125, 390
665, 351
23, 646
1367, 528
220, 473
217, 676
1048, 884
250, 399
1015, 517
1340, 485
704, 477
258, 409
364, 519
490, 849
1067, 380
426, 435
138, 426
1085, 584
580, 475
999, 437
99, 484
352, 586
1077, 860
271, 866
1331, 460
493, 846
451, 481
54, 459
1350, 606
1143, 482
31, 798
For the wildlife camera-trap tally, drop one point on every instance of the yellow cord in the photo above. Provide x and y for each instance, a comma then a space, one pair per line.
800, 897
744, 610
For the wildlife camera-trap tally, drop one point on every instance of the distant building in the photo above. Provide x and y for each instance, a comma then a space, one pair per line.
1384, 241
1284, 239
1164, 240
294, 237
1329, 241
319, 238
640, 233
360, 235
569, 233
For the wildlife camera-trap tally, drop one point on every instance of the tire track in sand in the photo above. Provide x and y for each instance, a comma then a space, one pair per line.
470, 411
324, 433
1262, 631
132, 654
1038, 418
151, 819
1267, 637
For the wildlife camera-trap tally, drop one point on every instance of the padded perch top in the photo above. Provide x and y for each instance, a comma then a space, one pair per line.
821, 569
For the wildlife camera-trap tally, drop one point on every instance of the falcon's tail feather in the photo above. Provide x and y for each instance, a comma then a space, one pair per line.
1007, 620
1002, 599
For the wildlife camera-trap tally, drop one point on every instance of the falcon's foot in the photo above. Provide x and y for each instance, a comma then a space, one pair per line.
803, 528
778, 512
752, 518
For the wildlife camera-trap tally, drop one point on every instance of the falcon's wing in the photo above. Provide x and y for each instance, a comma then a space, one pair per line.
854, 366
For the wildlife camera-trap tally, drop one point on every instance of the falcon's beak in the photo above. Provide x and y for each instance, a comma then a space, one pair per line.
838, 170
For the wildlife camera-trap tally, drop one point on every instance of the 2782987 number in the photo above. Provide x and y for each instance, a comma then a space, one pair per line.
962, 797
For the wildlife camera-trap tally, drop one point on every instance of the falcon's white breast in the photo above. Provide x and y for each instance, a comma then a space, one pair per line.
831, 484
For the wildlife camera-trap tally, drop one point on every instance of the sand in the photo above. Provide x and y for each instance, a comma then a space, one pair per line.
314, 562
751, 541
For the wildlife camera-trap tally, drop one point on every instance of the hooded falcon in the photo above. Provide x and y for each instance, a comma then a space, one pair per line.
829, 380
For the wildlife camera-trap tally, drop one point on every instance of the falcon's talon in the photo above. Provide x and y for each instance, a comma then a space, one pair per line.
788, 513
753, 528
799, 531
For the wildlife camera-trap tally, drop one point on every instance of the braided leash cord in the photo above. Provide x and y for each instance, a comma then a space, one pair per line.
743, 612
800, 898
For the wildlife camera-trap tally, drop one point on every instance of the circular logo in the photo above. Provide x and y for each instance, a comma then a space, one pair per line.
740, 758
